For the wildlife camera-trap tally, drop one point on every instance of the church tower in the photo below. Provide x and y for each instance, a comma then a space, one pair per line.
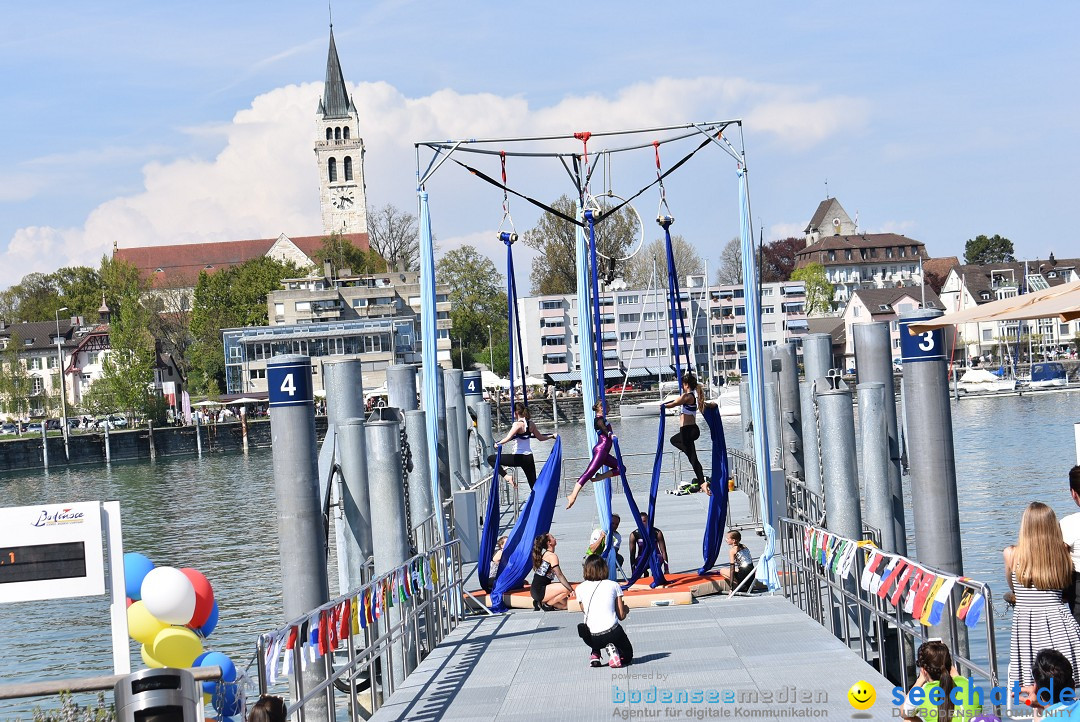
339, 150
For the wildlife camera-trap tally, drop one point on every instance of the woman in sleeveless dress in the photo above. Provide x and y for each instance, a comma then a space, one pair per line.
1038, 567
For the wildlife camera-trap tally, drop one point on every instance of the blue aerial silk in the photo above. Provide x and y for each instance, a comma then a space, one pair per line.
490, 532
651, 557
534, 520
718, 502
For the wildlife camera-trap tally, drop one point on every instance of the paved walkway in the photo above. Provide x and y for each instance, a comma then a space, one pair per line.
531, 665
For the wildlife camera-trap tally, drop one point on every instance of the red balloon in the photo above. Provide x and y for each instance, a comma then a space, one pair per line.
204, 597
130, 601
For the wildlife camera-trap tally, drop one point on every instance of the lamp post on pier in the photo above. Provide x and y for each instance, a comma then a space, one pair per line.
491, 352
63, 385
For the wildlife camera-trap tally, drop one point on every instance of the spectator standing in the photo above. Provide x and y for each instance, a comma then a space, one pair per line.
1070, 531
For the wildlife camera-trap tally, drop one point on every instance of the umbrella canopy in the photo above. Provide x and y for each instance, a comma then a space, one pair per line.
533, 381
1057, 302
208, 402
492, 381
244, 401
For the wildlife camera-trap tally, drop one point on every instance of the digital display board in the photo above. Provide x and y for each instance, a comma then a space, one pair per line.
51, 551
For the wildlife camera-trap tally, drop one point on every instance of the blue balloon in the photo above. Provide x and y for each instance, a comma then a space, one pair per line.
199, 659
136, 567
228, 672
211, 622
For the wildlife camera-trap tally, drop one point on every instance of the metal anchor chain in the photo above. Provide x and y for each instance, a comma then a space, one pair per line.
406, 467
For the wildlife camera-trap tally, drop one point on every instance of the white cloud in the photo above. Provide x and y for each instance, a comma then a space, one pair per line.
263, 182
786, 230
900, 227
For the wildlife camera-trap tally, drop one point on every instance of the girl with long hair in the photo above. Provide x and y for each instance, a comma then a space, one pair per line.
691, 399
1038, 567
936, 669
521, 432
268, 709
546, 569
601, 455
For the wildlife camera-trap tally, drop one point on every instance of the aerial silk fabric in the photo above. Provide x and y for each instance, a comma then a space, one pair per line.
718, 502
490, 533
767, 572
651, 558
534, 520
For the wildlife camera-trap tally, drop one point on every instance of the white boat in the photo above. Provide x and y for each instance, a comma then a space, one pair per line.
981, 381
1048, 375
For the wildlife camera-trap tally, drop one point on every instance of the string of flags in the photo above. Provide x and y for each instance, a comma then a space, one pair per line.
922, 593
325, 629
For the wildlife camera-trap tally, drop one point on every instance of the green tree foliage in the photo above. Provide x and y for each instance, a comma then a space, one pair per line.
342, 254
38, 295
554, 271
981, 250
476, 296
16, 385
819, 291
230, 298
639, 269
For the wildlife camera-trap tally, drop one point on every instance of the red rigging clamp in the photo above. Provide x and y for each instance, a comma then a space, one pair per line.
584, 136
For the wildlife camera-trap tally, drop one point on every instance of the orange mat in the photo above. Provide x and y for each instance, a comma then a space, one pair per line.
682, 588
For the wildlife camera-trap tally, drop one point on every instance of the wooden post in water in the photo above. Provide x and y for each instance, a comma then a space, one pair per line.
108, 448
150, 435
44, 446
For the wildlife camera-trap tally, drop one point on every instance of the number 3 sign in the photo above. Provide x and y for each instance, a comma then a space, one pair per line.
925, 346
289, 384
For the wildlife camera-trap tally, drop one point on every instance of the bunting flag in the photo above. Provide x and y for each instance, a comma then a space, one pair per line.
434, 572
965, 603
870, 570
369, 597
895, 570
941, 600
345, 620
847, 566
354, 621
908, 574
975, 610
913, 589
287, 663
919, 602
881, 580
928, 605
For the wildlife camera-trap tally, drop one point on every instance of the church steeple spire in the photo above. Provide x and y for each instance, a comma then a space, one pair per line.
335, 102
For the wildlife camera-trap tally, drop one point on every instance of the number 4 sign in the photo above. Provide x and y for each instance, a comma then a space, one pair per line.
289, 384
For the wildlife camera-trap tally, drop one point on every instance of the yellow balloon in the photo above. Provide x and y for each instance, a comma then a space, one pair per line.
142, 625
177, 647
207, 699
148, 660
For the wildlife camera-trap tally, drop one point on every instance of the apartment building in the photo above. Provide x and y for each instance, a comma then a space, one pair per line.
635, 330
375, 317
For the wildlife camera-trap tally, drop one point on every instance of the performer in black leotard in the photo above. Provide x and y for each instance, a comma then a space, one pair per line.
520, 433
692, 399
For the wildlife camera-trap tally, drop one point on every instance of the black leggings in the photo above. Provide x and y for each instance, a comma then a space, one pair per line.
521, 461
684, 442
616, 635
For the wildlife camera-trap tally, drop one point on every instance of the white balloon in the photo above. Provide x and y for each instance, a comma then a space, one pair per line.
168, 595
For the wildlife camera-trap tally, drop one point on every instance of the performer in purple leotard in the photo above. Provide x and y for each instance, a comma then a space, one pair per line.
601, 455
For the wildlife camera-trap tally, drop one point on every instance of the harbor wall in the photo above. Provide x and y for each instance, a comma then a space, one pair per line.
134, 445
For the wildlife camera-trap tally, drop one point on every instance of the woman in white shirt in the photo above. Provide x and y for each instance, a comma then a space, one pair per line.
602, 603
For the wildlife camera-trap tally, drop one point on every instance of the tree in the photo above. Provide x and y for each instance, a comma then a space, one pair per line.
778, 259
230, 298
819, 291
477, 298
981, 250
38, 295
730, 272
170, 325
16, 384
343, 254
639, 269
554, 271
395, 236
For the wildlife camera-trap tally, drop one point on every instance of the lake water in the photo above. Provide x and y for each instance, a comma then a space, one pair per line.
217, 514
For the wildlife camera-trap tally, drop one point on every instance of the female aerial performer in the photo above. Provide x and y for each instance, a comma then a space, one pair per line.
692, 399
601, 455
520, 432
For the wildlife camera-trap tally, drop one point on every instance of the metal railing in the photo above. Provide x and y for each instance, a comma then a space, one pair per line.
885, 636
805, 504
362, 672
743, 471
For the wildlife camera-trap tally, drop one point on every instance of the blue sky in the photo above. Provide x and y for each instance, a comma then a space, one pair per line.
152, 123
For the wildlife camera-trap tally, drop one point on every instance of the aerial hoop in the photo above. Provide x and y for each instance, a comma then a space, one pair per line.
593, 204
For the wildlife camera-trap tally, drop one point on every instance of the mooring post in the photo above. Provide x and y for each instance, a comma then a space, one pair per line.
44, 445
244, 427
843, 513
811, 444
772, 415
455, 396
817, 356
301, 543
401, 387
420, 501
790, 410
356, 505
390, 539
454, 449
108, 446
874, 440
474, 399
874, 364
150, 436
343, 383
746, 419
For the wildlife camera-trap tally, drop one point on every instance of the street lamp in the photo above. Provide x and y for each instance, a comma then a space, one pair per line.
63, 386
491, 352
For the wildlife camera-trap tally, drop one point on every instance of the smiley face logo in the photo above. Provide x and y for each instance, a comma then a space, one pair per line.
861, 695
